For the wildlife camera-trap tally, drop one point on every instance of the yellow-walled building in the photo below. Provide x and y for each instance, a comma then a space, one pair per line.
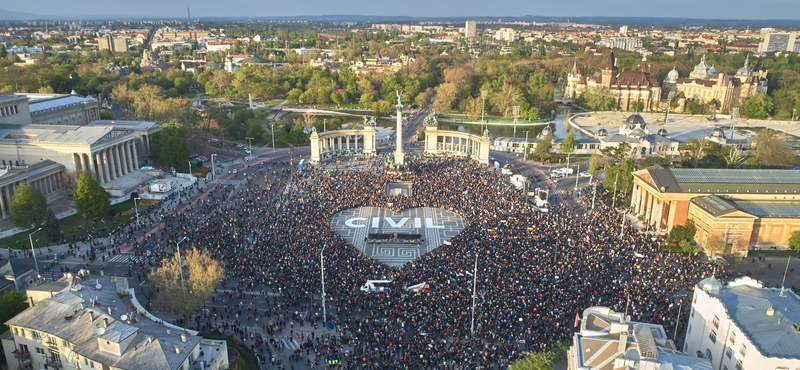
745, 208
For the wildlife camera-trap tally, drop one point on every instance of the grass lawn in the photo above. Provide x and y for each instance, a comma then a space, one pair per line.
75, 227
772, 253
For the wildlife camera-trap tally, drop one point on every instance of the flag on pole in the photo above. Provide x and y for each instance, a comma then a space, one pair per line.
577, 319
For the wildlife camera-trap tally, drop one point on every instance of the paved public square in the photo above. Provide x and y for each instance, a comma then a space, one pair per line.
436, 226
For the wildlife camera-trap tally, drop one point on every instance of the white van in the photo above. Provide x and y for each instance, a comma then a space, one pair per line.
376, 286
565, 170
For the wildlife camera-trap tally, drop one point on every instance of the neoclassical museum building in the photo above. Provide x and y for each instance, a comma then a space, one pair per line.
45, 137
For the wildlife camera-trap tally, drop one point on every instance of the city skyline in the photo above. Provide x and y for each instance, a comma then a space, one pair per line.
715, 9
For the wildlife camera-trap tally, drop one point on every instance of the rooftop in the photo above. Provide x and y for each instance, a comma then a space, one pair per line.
39, 103
94, 315
746, 302
726, 181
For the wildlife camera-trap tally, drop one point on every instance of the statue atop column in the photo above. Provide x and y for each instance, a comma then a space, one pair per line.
399, 156
399, 105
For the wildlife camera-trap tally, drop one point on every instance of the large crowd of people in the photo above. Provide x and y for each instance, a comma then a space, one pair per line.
535, 271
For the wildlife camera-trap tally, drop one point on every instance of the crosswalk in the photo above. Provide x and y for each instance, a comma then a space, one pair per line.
237, 162
290, 343
121, 257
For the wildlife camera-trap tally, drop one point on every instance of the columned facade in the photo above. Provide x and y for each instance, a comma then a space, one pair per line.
457, 143
342, 142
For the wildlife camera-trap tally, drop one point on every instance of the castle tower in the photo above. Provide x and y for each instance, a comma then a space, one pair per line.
609, 72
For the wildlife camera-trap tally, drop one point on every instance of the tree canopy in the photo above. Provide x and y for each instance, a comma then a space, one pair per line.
90, 198
28, 207
201, 274
772, 150
11, 304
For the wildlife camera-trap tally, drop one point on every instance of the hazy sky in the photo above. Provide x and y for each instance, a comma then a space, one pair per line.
719, 9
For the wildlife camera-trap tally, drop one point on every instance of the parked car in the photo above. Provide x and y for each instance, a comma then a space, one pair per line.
584, 174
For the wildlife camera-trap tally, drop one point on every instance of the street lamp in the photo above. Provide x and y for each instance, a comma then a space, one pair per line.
136, 207
213, 167
273, 139
250, 146
180, 262
322, 273
525, 153
483, 106
190, 169
35, 263
793, 111
474, 293
577, 176
324, 124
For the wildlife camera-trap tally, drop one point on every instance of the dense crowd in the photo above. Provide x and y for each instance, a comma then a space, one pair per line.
535, 271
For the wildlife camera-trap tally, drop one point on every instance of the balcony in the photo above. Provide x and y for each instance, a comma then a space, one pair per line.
52, 362
21, 355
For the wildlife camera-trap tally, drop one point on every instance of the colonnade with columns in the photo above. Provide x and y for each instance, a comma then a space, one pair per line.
360, 142
6, 193
458, 143
109, 163
48, 183
649, 208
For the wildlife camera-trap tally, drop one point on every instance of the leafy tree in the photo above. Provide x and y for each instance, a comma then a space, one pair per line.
508, 96
201, 273
597, 98
637, 106
169, 145
794, 239
595, 163
693, 107
28, 207
567, 146
772, 150
732, 156
697, 148
542, 147
11, 304
90, 198
654, 160
757, 106
540, 360
681, 233
52, 227
621, 173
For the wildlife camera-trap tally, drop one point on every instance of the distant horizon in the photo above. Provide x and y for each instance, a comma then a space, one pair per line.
731, 10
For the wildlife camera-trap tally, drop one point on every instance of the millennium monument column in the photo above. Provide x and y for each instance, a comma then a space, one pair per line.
399, 156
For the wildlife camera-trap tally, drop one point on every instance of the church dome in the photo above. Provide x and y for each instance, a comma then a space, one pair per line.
744, 72
673, 75
602, 132
663, 132
636, 119
713, 70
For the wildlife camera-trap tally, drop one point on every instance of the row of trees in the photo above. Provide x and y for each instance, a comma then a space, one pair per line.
29, 206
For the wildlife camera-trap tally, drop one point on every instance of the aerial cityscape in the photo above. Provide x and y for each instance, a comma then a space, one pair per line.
245, 185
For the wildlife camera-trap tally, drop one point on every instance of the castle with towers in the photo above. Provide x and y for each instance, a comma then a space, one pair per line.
705, 85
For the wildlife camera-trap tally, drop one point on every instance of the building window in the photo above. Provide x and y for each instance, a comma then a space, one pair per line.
715, 322
39, 351
729, 352
733, 338
724, 367
708, 354
743, 350
689, 329
713, 336
35, 335
738, 365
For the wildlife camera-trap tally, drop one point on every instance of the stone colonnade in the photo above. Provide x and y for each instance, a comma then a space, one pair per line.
360, 141
110, 162
458, 143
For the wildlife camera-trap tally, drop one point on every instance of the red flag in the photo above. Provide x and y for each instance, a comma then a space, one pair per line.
577, 319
